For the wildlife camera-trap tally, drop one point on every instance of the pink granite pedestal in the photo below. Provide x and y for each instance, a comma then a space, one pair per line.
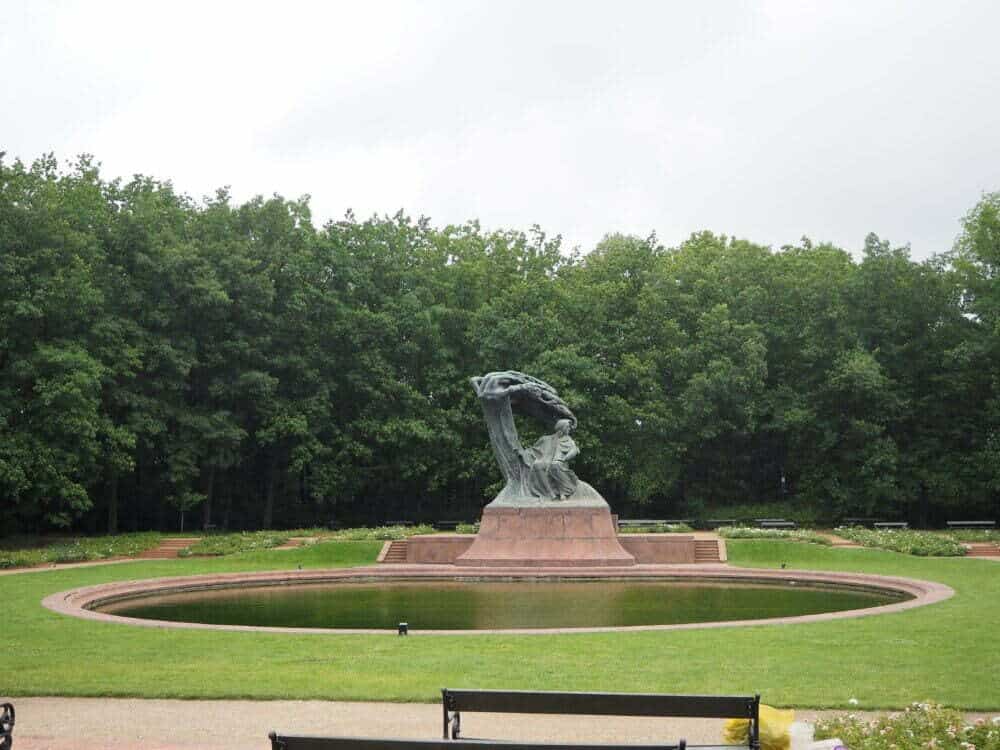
550, 536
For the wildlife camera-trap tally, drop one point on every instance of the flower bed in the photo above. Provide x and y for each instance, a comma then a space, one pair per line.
80, 549
920, 543
378, 533
657, 528
229, 544
750, 532
922, 726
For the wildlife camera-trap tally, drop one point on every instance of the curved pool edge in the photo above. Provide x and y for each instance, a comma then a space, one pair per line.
80, 601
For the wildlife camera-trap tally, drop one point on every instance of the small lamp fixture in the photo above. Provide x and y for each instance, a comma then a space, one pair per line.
404, 628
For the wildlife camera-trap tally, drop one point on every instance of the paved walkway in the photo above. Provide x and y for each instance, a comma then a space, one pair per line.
134, 724
169, 548
838, 541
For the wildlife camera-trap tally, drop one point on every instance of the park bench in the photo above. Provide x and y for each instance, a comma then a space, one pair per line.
776, 523
301, 742
446, 525
454, 702
866, 522
972, 524
6, 725
890, 525
714, 523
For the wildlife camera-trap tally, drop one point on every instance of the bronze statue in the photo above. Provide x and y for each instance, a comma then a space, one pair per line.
539, 474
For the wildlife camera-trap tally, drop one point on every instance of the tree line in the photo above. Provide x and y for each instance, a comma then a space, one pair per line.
236, 363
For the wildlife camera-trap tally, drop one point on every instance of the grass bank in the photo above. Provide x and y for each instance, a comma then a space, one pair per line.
944, 652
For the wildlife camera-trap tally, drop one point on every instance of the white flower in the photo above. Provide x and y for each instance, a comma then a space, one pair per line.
855, 701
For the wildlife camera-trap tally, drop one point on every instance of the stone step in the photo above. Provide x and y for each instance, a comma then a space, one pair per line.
706, 550
982, 550
396, 552
169, 548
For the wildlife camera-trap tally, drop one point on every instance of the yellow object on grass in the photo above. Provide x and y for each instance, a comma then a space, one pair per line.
774, 726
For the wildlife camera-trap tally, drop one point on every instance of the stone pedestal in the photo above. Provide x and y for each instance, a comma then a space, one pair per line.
549, 536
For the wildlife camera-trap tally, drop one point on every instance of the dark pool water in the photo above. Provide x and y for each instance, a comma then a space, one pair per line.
474, 605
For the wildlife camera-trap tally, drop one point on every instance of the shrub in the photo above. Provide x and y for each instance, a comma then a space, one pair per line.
920, 543
922, 726
804, 516
467, 528
794, 535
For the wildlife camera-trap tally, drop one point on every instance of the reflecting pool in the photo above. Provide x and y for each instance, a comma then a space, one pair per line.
481, 605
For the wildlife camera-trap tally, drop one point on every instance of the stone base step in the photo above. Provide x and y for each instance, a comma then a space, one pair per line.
396, 552
982, 550
706, 551
169, 548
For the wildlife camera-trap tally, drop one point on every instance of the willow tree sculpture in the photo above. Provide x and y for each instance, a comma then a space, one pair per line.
539, 474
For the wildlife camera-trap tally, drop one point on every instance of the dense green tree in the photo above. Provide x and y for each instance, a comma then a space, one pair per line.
233, 365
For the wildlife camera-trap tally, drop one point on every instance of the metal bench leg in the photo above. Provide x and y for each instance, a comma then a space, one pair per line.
450, 716
6, 726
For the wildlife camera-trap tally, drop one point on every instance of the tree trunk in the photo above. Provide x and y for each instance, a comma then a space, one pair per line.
206, 508
113, 502
272, 471
227, 505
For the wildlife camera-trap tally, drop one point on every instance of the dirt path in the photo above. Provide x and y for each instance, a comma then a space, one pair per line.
131, 724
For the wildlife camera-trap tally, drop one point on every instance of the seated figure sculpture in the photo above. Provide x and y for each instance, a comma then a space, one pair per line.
549, 475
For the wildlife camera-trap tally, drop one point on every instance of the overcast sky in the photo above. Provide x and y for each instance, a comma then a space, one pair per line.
764, 120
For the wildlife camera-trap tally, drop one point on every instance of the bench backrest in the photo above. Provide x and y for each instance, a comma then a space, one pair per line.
600, 704
299, 742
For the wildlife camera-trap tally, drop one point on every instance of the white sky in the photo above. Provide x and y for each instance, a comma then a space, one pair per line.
765, 120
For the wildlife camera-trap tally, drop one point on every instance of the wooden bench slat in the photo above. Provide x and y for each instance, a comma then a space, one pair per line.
602, 704
307, 742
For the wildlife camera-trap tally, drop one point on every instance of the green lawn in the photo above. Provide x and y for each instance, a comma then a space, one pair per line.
947, 652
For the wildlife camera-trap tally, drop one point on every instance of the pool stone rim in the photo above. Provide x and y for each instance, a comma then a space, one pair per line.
81, 602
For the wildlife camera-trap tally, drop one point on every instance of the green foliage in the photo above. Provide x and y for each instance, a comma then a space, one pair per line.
921, 726
744, 512
467, 528
238, 367
921, 543
975, 535
795, 535
17, 553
